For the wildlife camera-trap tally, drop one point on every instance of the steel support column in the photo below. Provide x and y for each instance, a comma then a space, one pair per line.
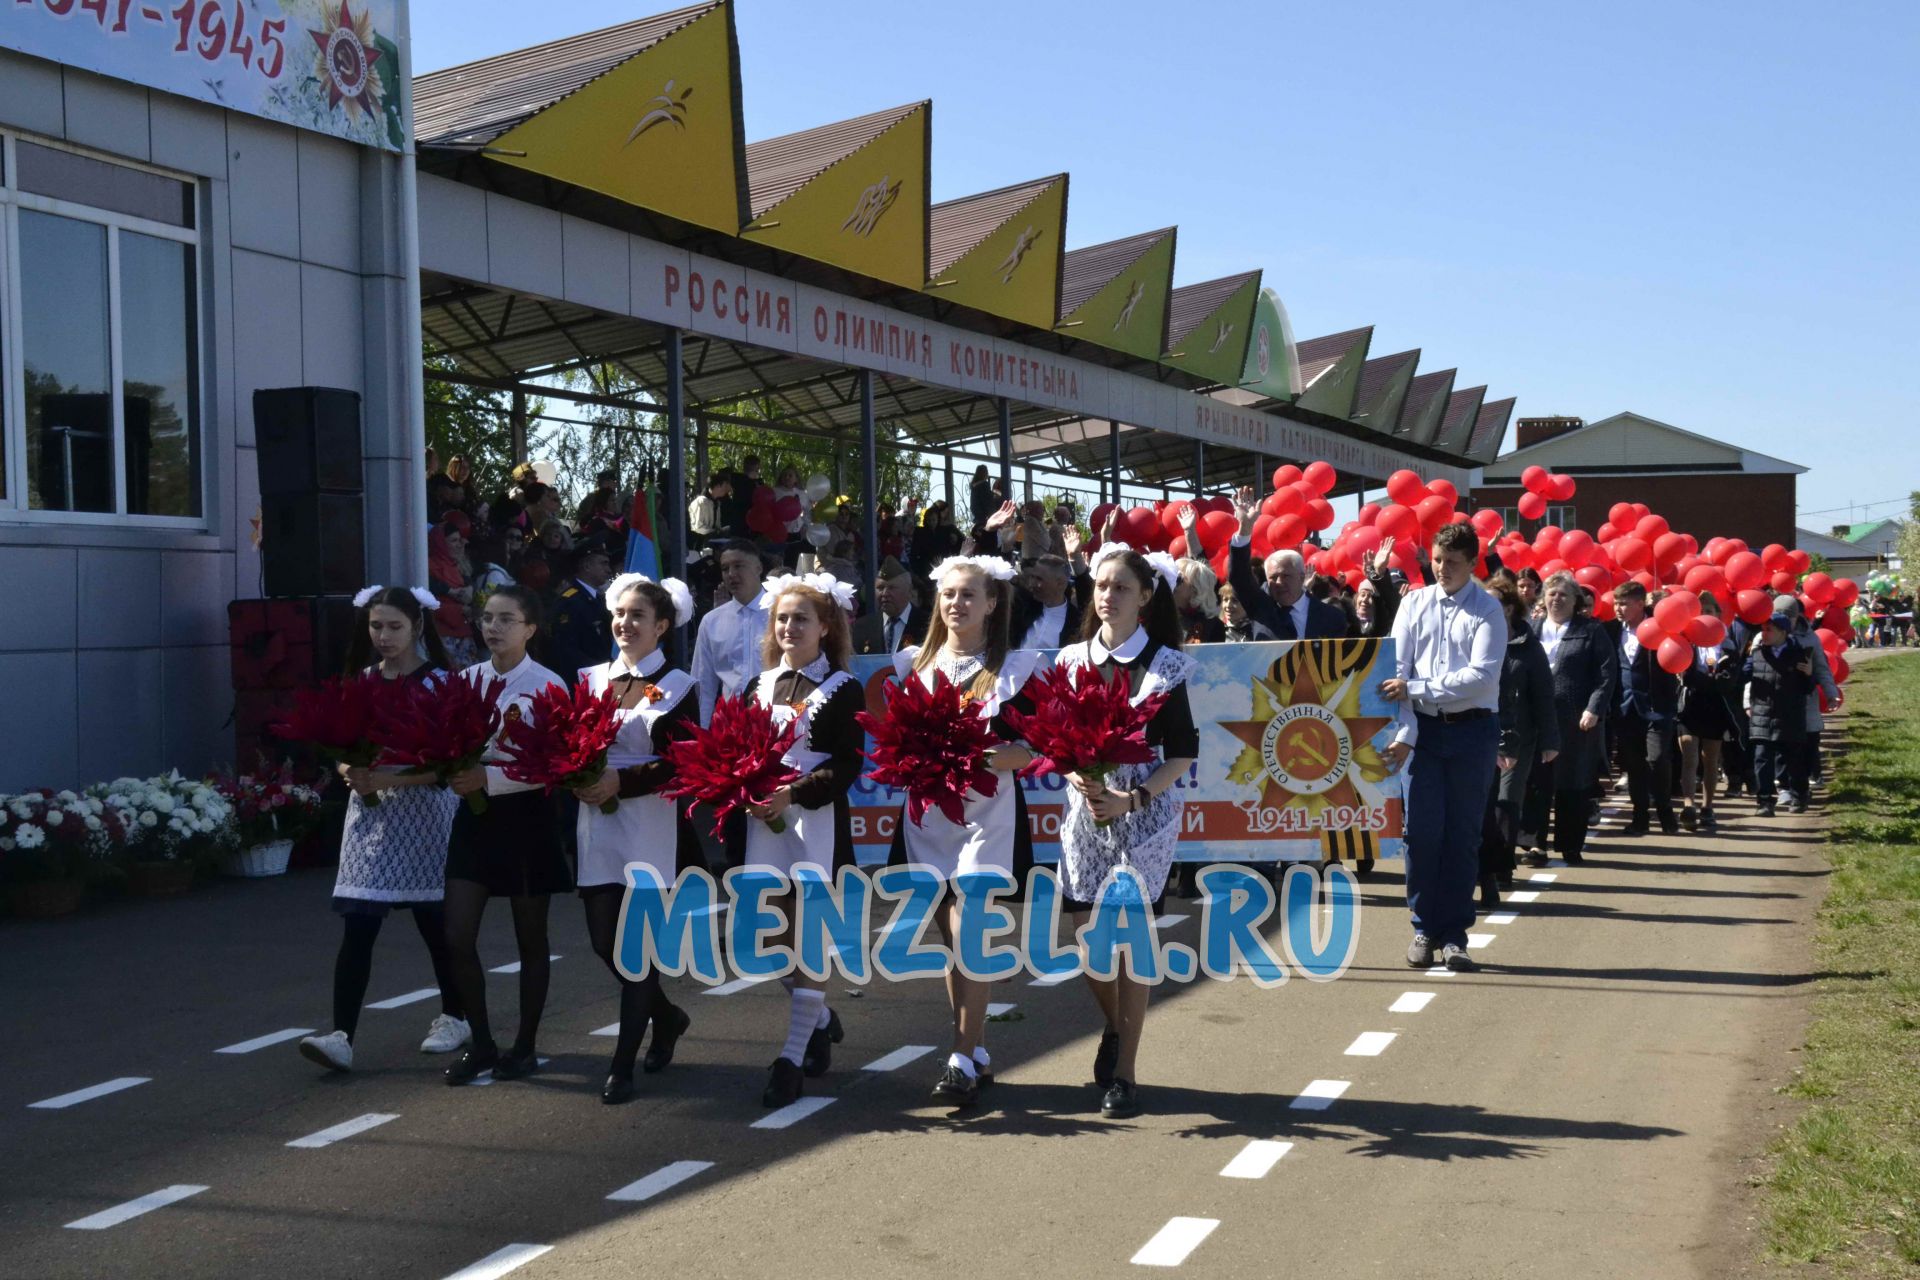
1006, 446
869, 483
673, 554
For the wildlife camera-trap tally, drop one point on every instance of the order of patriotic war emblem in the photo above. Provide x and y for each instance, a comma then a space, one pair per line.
1307, 749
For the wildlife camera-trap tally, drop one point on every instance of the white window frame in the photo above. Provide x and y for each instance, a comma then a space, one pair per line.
13, 381
1562, 515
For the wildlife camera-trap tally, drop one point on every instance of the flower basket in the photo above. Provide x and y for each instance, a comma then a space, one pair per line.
260, 860
48, 899
159, 878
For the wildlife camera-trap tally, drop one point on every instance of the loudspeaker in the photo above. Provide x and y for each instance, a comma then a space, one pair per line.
308, 440
313, 544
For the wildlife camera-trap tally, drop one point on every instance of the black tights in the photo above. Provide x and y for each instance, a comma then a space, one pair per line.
354, 966
466, 903
639, 1001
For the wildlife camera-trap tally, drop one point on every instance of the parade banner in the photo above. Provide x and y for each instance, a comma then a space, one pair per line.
1291, 764
327, 65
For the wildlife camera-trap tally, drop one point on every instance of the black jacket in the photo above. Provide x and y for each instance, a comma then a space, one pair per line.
1646, 690
870, 633
1027, 610
1324, 621
1777, 693
1586, 674
1529, 719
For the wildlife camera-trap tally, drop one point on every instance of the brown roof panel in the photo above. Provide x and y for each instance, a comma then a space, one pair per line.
1489, 429
1376, 373
1317, 355
1087, 270
1192, 303
1463, 410
778, 167
476, 102
1420, 396
957, 226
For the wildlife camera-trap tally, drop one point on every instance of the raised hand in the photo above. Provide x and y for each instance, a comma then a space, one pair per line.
1186, 516
1003, 516
1246, 508
1071, 539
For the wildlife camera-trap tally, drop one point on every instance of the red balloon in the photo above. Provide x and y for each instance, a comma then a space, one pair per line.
1285, 474
1840, 670
1753, 605
1321, 476
1576, 547
1647, 580
1594, 578
1433, 511
1444, 489
1532, 506
1819, 588
1650, 633
1799, 561
787, 509
1319, 514
1745, 571
1706, 578
1216, 529
1398, 522
1706, 631
1621, 515
1668, 548
1486, 522
1097, 518
1363, 542
1845, 592
1178, 548
1727, 550
1675, 610
1774, 556
1139, 527
1368, 514
1603, 606
1284, 502
1674, 656
1649, 527
1606, 532
1563, 488
1784, 581
1515, 554
1632, 553
1534, 479
1405, 488
1287, 532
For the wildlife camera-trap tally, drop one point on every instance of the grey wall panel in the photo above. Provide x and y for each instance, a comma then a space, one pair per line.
189, 136
108, 114
119, 599
264, 168
458, 216
387, 427
329, 201
387, 483
331, 354
246, 507
194, 590
42, 583
524, 247
41, 692
31, 96
595, 265
198, 684
266, 332
379, 213
118, 714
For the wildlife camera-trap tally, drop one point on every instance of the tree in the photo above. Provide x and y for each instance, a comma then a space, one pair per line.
474, 423
1907, 550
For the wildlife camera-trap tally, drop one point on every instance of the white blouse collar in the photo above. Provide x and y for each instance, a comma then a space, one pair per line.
1129, 649
649, 665
816, 671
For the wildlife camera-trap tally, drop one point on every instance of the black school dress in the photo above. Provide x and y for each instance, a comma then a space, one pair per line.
513, 849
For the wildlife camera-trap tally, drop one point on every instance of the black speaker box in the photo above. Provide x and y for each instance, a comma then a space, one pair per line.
313, 544
308, 440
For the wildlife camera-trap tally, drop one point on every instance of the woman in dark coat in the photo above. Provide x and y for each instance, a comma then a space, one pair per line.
1529, 727
1586, 672
1709, 690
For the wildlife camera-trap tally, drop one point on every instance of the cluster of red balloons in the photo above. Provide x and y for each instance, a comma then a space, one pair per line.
1541, 488
1675, 626
770, 518
1296, 507
1414, 511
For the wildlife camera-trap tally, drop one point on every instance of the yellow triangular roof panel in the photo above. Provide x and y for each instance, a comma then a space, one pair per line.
1208, 326
999, 252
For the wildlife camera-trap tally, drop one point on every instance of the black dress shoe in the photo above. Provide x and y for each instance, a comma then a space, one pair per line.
1489, 894
785, 1084
1635, 828
471, 1064
982, 1076
1105, 1060
666, 1033
616, 1090
1505, 881
1363, 868
1571, 859
819, 1054
515, 1064
1122, 1101
956, 1088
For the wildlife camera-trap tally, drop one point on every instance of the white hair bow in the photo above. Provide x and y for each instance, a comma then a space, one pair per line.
676, 591
1160, 562
826, 584
421, 596
992, 566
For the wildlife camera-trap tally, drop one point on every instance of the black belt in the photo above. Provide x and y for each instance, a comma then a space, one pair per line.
1455, 717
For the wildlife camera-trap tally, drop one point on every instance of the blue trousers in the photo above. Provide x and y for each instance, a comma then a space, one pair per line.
1451, 775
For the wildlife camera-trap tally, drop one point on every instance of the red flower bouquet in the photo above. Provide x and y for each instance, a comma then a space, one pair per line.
442, 727
931, 744
338, 719
565, 742
733, 762
1084, 724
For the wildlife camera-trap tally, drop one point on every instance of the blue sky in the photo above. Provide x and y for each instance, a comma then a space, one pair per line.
1701, 212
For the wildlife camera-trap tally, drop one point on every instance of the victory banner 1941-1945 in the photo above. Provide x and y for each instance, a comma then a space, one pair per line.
1292, 760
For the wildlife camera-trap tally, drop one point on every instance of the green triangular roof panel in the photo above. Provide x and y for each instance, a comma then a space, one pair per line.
1208, 325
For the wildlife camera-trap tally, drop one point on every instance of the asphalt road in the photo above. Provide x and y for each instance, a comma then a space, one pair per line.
1580, 1106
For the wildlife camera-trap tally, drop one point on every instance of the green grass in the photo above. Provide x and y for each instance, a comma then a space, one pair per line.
1845, 1184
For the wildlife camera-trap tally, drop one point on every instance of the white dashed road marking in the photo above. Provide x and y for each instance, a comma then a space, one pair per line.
1524, 895
792, 1113
411, 997
1256, 1158
1475, 941
1411, 1002
1000, 1008
1370, 1044
359, 1124
89, 1093
1172, 1243
1319, 1095
659, 1180
1502, 917
514, 967
738, 984
899, 1057
1543, 877
501, 1261
272, 1037
133, 1208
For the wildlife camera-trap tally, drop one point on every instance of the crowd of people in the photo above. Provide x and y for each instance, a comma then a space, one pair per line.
1516, 707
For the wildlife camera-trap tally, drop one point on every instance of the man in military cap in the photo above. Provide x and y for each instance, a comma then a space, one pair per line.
582, 630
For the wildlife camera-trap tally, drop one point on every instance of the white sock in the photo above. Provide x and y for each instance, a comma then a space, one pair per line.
803, 1017
981, 1060
964, 1063
824, 1019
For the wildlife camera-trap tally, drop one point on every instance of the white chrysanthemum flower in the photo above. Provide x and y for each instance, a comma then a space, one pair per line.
66, 797
30, 837
21, 809
6, 844
93, 823
149, 819
55, 817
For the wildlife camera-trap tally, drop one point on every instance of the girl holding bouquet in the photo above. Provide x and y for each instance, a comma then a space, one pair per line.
392, 853
805, 680
658, 705
512, 850
967, 640
1131, 816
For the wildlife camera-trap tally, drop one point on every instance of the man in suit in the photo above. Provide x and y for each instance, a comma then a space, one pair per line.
1649, 702
1048, 604
1284, 606
897, 621
582, 630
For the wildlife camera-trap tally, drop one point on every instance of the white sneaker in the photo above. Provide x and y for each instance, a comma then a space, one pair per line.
446, 1034
332, 1051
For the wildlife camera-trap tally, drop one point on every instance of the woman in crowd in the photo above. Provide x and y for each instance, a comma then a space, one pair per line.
394, 853
1780, 679
1528, 583
1377, 599
936, 539
1586, 674
1236, 626
1709, 691
511, 851
1130, 818
658, 705
804, 677
1196, 598
488, 557
967, 643
1529, 729
447, 579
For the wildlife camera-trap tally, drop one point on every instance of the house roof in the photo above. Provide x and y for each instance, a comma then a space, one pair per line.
1556, 450
1832, 548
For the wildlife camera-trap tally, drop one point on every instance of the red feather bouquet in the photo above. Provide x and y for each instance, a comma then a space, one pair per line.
442, 727
338, 719
1084, 724
734, 761
931, 744
565, 742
